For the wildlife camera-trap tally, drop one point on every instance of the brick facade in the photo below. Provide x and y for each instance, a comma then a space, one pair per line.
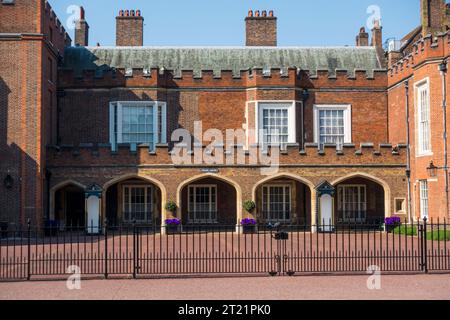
56, 130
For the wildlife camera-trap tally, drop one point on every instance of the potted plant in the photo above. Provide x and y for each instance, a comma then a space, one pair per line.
173, 225
171, 207
248, 225
391, 223
249, 206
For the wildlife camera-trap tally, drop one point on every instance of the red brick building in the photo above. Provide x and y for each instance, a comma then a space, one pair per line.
417, 103
86, 133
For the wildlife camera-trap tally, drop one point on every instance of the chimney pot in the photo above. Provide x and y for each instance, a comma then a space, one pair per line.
132, 13
127, 13
250, 13
121, 13
264, 13
257, 13
271, 13
82, 14
138, 13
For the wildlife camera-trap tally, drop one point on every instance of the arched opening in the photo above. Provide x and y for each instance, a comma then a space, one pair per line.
285, 199
209, 200
360, 200
133, 199
69, 205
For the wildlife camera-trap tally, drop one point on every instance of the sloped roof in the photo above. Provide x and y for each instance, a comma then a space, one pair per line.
222, 58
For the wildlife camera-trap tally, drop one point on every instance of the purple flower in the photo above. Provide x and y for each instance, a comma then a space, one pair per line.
392, 221
248, 222
173, 222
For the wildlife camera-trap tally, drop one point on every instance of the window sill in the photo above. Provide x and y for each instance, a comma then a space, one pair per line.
425, 154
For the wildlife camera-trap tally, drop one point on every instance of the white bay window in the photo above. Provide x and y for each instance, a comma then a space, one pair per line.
138, 122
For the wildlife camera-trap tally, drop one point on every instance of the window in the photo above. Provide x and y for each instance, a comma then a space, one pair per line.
50, 34
332, 125
277, 203
352, 203
137, 203
138, 122
50, 69
400, 205
423, 118
424, 199
276, 123
7, 1
202, 204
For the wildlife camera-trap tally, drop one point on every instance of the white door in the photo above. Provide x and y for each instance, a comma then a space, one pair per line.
326, 213
93, 214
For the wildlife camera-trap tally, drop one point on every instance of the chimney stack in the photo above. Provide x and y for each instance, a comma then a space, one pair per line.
377, 35
362, 39
82, 30
129, 28
433, 15
261, 29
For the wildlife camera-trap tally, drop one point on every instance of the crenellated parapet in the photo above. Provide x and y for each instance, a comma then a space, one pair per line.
61, 37
91, 155
155, 76
426, 49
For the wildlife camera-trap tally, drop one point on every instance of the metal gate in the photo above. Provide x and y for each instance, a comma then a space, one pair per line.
140, 251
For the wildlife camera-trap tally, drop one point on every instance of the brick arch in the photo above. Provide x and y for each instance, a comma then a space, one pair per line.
227, 180
295, 177
143, 177
381, 182
58, 186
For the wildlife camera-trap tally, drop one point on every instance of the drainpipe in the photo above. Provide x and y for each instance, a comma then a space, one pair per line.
305, 96
408, 152
443, 70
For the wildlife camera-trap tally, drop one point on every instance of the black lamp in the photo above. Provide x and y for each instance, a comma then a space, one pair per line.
8, 182
432, 170
305, 95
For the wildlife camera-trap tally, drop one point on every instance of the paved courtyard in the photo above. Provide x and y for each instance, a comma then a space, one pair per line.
393, 287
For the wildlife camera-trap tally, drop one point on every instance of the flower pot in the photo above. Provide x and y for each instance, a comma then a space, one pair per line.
389, 228
172, 229
248, 229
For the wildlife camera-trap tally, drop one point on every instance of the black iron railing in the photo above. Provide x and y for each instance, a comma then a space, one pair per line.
275, 249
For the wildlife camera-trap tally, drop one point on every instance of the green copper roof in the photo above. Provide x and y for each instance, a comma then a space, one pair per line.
221, 58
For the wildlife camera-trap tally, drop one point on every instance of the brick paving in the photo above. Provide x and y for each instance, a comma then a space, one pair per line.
393, 287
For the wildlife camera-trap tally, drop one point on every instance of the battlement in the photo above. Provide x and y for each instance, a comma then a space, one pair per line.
53, 21
426, 49
161, 77
139, 155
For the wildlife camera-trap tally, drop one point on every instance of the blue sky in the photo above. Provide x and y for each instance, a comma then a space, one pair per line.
221, 22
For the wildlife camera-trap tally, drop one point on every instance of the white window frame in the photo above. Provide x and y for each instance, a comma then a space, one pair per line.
115, 120
212, 208
266, 210
347, 108
148, 204
419, 86
424, 198
341, 200
292, 124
